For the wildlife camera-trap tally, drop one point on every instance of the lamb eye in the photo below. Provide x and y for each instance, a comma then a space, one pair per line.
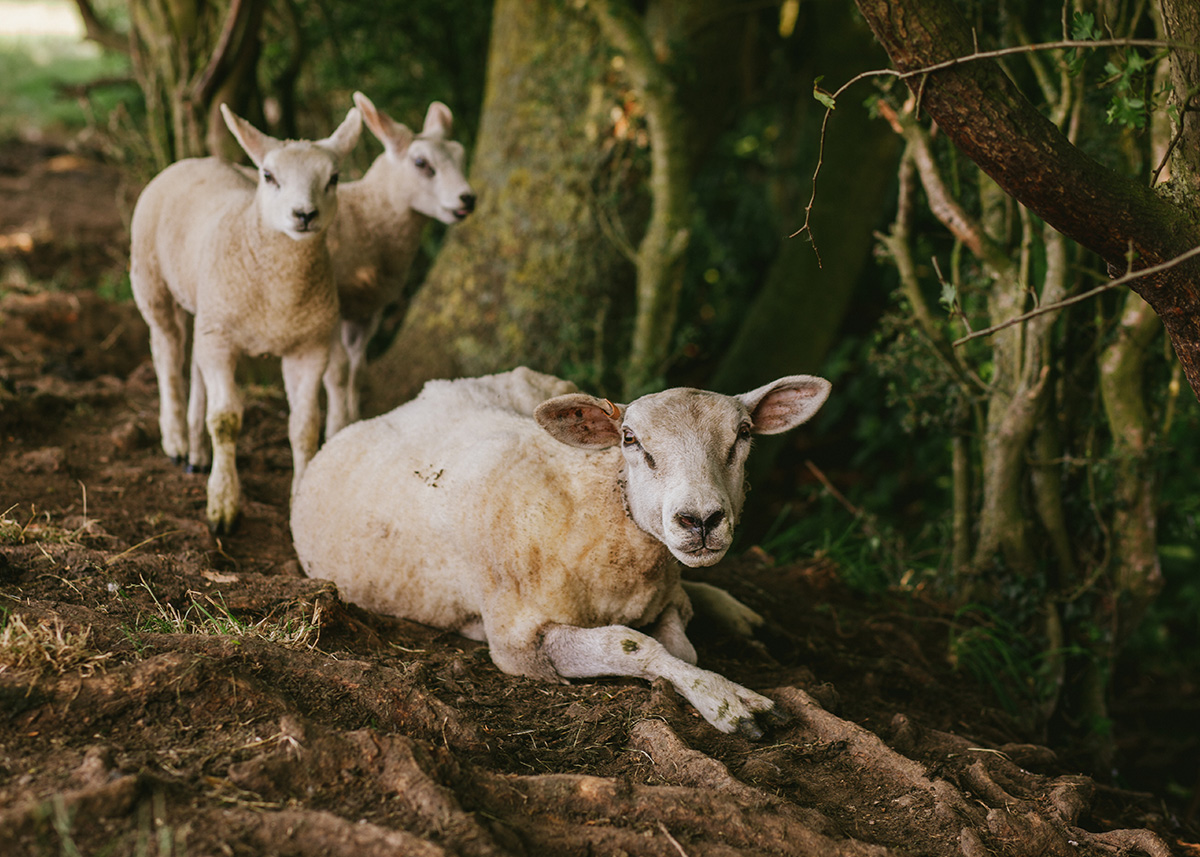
333, 180
423, 165
743, 432
628, 438
269, 178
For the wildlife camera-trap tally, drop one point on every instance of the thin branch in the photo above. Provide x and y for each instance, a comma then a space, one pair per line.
1120, 281
1062, 44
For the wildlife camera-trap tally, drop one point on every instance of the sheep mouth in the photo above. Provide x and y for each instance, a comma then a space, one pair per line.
700, 556
461, 214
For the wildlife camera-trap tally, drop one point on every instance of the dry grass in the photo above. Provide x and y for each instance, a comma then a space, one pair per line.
47, 647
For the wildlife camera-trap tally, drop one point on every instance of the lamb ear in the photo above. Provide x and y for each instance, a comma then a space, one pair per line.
394, 136
255, 143
345, 137
438, 121
785, 403
580, 420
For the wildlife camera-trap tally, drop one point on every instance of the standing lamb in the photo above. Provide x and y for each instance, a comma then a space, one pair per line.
250, 264
378, 231
517, 511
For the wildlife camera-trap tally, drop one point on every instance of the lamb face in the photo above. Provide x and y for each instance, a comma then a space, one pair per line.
298, 195
438, 186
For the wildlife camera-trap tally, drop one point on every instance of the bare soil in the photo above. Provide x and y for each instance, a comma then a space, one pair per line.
190, 695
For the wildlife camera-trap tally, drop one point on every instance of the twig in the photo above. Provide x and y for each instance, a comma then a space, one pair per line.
673, 840
952, 63
1120, 281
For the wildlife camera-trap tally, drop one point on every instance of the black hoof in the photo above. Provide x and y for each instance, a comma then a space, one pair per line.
188, 467
221, 528
179, 460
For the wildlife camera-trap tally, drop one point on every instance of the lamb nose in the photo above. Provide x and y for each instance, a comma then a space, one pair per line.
305, 217
468, 201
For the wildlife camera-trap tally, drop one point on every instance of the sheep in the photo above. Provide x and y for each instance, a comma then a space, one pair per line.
377, 232
250, 264
548, 523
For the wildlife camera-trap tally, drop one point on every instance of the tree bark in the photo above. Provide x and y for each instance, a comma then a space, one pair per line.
531, 277
992, 123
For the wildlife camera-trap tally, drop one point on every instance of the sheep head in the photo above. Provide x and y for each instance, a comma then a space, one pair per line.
685, 453
297, 180
429, 164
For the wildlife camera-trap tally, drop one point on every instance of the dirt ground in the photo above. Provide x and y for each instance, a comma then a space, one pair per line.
165, 692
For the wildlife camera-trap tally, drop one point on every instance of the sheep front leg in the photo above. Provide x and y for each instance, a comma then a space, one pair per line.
337, 378
617, 650
302, 373
215, 367
356, 336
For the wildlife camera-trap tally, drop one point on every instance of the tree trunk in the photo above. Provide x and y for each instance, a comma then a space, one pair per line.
531, 278
991, 122
797, 316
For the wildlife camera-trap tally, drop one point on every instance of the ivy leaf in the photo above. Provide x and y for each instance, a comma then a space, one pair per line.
821, 95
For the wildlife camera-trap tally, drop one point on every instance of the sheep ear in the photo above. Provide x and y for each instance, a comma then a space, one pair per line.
255, 143
345, 137
438, 121
579, 420
394, 136
785, 403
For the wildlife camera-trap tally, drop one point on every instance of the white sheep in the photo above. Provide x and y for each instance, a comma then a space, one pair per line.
516, 510
249, 262
378, 231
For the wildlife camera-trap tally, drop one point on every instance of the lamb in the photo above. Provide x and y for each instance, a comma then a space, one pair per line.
250, 264
377, 232
518, 511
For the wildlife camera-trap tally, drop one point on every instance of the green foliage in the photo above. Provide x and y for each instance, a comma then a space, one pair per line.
44, 78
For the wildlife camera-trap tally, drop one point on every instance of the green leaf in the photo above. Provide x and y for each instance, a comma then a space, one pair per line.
821, 95
949, 296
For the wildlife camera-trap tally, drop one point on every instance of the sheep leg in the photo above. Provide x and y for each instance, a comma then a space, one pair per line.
302, 373
168, 336
215, 367
199, 458
356, 337
723, 608
618, 650
670, 630
337, 377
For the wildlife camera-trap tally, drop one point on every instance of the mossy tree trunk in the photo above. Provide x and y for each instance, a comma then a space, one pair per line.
573, 260
188, 56
531, 278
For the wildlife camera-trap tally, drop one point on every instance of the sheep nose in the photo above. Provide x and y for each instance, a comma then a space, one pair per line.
304, 217
468, 201
700, 526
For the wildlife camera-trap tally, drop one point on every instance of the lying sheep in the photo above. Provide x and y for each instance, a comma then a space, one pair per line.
516, 510
378, 231
250, 263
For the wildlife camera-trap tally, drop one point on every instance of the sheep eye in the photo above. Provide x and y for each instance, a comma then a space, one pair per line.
269, 178
333, 180
743, 431
423, 165
628, 438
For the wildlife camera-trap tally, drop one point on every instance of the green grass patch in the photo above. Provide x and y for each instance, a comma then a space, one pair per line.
43, 76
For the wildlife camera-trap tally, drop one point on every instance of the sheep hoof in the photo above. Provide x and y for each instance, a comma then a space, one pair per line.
756, 727
750, 728
188, 467
179, 460
221, 527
